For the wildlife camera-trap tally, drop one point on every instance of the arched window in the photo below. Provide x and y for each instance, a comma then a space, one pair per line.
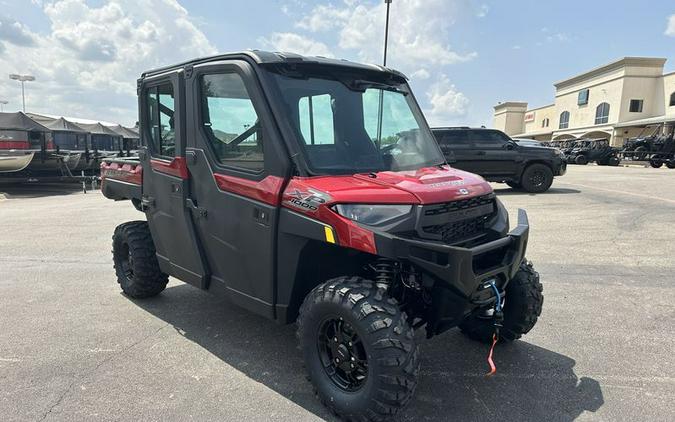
672, 99
564, 120
601, 113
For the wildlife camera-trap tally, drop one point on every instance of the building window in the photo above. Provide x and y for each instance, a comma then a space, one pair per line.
635, 106
672, 99
564, 120
545, 122
583, 97
602, 113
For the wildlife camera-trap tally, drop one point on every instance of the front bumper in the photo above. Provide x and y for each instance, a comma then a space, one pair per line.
560, 167
460, 274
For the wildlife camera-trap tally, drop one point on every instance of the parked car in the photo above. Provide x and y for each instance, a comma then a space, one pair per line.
354, 226
498, 158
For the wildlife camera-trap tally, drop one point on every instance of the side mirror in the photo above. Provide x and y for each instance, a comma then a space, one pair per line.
510, 145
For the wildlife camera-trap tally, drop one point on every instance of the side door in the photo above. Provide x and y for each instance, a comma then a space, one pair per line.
239, 166
166, 177
495, 153
456, 147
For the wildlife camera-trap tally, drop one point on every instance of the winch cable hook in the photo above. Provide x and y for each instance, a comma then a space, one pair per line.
498, 317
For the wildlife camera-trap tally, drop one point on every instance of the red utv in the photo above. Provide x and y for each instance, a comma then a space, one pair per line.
312, 190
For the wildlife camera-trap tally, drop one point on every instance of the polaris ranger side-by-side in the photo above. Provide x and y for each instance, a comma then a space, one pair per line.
311, 189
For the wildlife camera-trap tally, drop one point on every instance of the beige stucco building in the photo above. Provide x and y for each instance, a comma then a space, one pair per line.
614, 101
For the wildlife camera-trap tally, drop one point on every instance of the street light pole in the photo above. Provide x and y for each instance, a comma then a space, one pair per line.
386, 32
2, 105
22, 79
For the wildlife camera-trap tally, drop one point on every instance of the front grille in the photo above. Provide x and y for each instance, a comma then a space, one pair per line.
462, 204
458, 221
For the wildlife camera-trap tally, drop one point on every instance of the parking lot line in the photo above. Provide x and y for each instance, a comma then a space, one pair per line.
639, 195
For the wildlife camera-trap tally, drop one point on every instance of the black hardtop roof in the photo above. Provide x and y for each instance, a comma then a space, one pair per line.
268, 57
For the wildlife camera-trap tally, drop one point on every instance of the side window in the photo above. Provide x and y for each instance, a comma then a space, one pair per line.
488, 139
453, 139
161, 120
316, 119
230, 121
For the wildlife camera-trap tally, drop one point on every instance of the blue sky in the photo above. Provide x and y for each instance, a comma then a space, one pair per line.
462, 56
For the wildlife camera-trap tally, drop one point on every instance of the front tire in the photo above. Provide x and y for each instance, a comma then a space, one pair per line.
537, 178
135, 261
359, 349
522, 307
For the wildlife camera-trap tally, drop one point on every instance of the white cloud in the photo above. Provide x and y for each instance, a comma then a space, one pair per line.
15, 33
88, 63
324, 18
419, 30
295, 43
483, 11
420, 74
447, 104
670, 29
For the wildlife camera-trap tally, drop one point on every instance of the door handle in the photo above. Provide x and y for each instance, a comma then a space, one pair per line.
201, 212
480, 153
261, 216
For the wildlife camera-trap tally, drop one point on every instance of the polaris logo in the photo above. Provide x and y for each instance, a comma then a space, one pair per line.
463, 191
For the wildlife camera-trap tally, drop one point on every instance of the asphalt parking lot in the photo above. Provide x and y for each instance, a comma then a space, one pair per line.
72, 347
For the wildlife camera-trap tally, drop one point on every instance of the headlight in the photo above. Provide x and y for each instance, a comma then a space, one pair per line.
372, 214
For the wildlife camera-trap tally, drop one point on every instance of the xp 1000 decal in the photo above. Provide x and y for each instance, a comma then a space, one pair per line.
308, 200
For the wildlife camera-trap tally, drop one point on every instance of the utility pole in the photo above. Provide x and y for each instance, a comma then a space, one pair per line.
22, 79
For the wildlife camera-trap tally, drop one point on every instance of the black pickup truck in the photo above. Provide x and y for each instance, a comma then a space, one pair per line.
493, 155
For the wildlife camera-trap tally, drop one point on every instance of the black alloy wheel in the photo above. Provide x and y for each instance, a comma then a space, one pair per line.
342, 354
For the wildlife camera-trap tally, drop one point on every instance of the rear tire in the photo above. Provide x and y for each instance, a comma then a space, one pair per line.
656, 163
371, 331
537, 178
614, 161
135, 261
670, 164
522, 307
581, 159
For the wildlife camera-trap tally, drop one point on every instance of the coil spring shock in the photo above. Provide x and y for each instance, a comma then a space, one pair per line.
384, 272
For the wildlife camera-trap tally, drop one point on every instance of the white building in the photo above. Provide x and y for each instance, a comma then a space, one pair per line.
615, 101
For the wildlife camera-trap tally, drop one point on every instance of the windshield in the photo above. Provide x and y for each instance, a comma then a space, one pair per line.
352, 125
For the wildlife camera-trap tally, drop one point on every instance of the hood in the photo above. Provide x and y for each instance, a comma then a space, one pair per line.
428, 185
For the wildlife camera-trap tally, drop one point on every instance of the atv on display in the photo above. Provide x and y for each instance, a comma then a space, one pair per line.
594, 150
312, 190
642, 146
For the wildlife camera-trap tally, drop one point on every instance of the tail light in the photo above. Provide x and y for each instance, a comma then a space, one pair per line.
14, 145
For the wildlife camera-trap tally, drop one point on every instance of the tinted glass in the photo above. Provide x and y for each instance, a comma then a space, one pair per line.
635, 106
452, 139
583, 97
161, 120
230, 121
488, 139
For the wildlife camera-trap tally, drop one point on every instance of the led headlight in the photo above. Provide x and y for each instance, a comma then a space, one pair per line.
372, 214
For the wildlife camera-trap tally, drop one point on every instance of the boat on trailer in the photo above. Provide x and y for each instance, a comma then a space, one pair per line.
24, 144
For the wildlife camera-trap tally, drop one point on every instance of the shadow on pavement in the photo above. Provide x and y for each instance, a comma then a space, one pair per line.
552, 191
531, 383
28, 190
